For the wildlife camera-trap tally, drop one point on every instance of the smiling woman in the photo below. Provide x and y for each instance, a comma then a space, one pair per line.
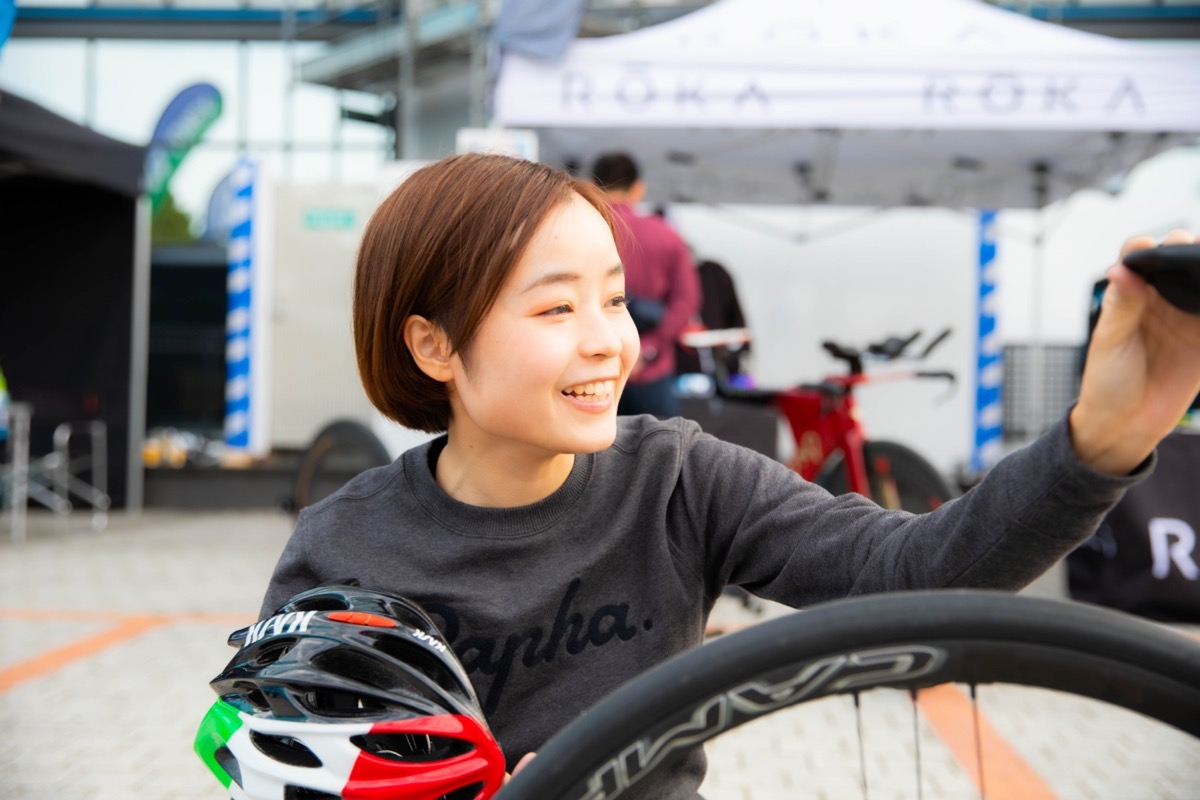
519, 350
441, 248
540, 380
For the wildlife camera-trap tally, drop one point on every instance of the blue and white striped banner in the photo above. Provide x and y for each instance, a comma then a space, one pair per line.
239, 327
989, 371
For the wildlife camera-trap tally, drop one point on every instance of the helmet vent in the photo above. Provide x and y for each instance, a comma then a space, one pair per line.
285, 749
418, 660
412, 618
225, 758
399, 677
320, 602
250, 694
413, 747
304, 793
270, 653
327, 703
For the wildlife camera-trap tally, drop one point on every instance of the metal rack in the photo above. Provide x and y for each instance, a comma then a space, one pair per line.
53, 479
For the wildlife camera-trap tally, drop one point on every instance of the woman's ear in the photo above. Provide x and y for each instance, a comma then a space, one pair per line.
430, 348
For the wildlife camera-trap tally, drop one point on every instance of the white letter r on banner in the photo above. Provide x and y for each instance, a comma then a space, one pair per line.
1164, 551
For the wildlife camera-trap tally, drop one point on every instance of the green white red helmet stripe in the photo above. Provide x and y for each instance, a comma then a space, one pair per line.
218, 725
263, 777
345, 770
374, 778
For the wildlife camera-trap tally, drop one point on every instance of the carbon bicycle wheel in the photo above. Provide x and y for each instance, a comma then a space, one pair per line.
899, 478
906, 644
341, 450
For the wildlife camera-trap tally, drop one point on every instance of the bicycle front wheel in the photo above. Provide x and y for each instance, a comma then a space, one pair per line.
340, 450
899, 477
903, 643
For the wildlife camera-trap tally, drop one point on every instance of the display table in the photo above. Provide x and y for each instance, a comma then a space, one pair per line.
752, 426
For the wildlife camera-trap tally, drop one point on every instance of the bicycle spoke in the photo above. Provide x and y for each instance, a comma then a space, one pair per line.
886, 492
862, 748
974, 695
916, 718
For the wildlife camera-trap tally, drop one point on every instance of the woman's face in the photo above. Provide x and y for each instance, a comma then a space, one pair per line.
552, 355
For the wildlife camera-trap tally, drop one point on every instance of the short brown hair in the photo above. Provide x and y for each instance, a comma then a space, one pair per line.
441, 246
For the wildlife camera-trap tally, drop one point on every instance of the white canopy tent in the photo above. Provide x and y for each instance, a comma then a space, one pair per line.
858, 102
950, 103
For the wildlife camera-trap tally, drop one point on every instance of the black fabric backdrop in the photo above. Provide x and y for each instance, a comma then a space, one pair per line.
1144, 566
69, 200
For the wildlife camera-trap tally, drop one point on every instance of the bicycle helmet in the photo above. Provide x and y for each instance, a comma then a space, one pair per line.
349, 693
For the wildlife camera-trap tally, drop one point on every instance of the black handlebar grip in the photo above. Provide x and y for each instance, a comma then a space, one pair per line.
1174, 270
941, 337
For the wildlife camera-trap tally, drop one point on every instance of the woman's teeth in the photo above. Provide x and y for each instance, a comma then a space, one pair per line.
598, 390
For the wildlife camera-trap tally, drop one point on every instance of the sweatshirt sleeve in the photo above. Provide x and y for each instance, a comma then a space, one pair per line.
768, 530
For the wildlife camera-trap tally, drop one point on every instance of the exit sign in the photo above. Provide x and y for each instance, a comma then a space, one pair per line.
329, 219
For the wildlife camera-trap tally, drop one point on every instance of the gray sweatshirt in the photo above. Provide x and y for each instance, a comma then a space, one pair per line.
553, 605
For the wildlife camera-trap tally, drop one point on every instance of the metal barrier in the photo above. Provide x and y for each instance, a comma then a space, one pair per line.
53, 478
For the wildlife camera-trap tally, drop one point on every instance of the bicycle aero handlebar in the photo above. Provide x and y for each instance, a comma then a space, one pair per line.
941, 337
890, 349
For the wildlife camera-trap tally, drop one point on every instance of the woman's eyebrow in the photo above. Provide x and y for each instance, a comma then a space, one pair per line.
552, 278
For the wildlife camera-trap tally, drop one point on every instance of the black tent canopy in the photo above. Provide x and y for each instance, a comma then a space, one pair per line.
36, 141
74, 270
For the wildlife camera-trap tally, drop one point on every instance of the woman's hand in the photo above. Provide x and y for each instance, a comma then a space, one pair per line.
1142, 372
525, 759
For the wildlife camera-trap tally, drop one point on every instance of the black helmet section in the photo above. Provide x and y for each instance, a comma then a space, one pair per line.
343, 652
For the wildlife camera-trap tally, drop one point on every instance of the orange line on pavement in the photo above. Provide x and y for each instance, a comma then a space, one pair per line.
1006, 776
54, 614
127, 626
60, 614
213, 617
59, 657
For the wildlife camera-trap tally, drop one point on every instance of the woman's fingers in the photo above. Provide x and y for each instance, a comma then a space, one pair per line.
525, 759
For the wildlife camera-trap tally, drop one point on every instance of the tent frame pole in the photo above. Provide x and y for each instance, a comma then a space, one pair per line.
139, 347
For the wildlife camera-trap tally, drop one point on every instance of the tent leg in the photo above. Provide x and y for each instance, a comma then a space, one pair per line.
1037, 351
138, 357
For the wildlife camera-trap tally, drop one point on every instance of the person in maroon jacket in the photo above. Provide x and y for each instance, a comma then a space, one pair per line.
661, 285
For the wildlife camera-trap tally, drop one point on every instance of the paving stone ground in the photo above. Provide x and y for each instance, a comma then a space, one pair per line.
108, 640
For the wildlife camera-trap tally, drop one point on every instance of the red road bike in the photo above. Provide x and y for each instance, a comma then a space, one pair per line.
831, 448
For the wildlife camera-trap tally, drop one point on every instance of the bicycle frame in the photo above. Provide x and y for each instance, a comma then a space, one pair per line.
823, 420
822, 417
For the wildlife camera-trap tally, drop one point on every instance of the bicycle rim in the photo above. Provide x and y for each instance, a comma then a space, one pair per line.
898, 477
905, 641
340, 450
902, 478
